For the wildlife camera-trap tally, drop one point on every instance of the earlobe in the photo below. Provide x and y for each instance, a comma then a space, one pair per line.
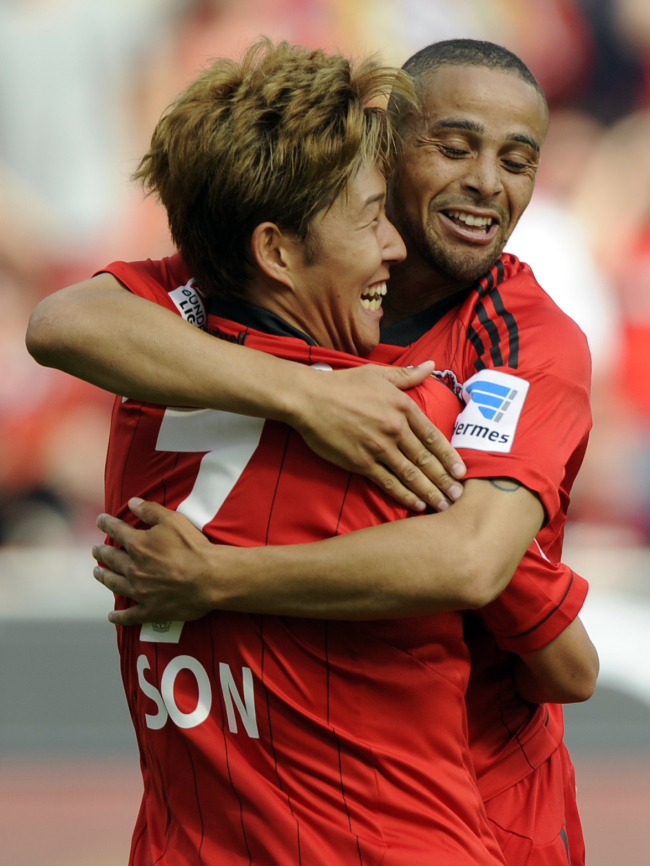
274, 252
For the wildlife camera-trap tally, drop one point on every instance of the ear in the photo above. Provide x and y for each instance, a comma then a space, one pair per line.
275, 252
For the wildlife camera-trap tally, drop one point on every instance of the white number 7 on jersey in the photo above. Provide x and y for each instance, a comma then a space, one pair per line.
230, 441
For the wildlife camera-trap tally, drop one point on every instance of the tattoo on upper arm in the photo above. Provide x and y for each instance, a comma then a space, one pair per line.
508, 485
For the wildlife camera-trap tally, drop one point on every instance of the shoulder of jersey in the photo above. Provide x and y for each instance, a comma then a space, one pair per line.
538, 331
519, 290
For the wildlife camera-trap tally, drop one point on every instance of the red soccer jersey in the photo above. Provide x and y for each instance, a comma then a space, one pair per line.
278, 740
507, 324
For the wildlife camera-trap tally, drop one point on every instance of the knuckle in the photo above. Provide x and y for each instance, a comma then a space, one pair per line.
433, 437
409, 473
425, 460
393, 427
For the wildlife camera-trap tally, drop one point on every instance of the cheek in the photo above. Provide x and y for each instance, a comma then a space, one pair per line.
520, 194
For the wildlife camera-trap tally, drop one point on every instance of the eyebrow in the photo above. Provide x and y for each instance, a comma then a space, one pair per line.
474, 126
374, 198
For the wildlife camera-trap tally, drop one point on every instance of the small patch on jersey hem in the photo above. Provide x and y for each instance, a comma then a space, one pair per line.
161, 632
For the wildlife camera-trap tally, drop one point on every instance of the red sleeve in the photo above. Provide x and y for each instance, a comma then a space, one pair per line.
167, 283
540, 601
551, 433
517, 331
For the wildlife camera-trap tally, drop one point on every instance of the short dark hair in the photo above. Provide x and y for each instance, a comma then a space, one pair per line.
276, 137
465, 52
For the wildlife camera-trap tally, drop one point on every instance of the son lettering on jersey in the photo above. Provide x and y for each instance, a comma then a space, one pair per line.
166, 705
189, 304
494, 401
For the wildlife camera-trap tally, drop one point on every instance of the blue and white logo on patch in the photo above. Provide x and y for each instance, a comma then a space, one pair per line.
488, 422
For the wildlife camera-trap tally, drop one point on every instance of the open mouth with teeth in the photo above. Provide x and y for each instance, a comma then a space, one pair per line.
373, 296
481, 224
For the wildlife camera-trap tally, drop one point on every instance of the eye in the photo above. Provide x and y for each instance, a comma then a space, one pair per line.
452, 152
512, 165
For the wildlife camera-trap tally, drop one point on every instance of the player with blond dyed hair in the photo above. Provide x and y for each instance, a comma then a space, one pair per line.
277, 137
267, 739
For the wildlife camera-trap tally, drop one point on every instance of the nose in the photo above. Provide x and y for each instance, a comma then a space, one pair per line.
483, 177
393, 248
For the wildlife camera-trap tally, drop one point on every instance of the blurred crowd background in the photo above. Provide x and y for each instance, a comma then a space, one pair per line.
82, 84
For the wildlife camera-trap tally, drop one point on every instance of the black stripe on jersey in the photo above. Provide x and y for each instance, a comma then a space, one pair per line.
478, 345
489, 282
550, 614
493, 331
225, 745
275, 757
513, 330
487, 287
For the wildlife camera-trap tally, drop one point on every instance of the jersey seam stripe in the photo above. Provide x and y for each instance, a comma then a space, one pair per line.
476, 341
512, 733
277, 485
548, 615
128, 453
338, 742
565, 842
511, 324
273, 751
161, 774
345, 802
345, 496
225, 743
198, 799
493, 333
327, 670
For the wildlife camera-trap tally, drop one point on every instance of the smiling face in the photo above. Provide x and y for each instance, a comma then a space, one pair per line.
336, 294
468, 169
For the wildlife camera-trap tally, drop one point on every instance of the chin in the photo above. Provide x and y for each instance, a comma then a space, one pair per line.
465, 270
464, 267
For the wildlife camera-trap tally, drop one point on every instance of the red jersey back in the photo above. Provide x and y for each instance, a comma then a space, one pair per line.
277, 740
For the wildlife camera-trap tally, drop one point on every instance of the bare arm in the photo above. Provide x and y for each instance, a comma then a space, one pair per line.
462, 558
100, 332
563, 672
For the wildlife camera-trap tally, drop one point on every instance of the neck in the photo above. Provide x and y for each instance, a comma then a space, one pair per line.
279, 299
415, 286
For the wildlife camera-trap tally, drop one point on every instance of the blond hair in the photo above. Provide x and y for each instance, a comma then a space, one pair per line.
276, 137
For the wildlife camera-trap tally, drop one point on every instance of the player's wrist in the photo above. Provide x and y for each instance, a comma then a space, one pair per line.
230, 572
294, 396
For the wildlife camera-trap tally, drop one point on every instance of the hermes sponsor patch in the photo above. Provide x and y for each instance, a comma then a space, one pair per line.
488, 422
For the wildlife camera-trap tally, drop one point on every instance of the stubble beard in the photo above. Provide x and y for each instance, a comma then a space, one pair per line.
464, 268
453, 265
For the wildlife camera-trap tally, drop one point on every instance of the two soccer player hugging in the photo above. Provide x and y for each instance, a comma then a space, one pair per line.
313, 678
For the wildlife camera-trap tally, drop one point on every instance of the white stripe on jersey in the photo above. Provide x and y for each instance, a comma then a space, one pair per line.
230, 440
